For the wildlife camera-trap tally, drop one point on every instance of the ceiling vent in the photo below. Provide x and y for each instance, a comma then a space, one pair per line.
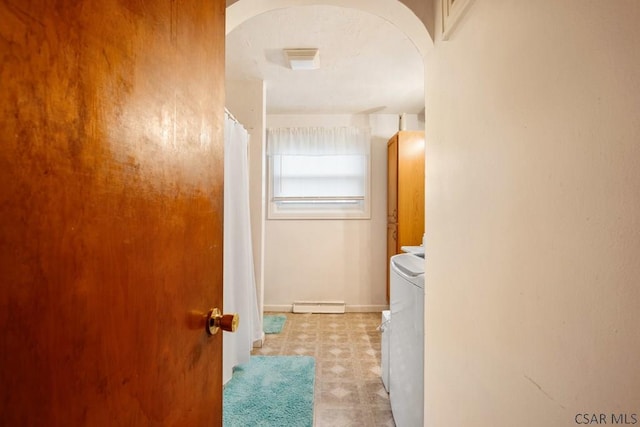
303, 59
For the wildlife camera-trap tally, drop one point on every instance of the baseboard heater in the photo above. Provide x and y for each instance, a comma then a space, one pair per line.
318, 307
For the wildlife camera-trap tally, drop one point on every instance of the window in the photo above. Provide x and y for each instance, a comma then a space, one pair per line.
318, 173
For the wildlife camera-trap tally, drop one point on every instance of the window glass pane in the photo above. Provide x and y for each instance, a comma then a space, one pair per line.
319, 176
320, 173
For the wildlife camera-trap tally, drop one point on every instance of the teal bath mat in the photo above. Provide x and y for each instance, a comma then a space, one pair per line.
270, 391
273, 324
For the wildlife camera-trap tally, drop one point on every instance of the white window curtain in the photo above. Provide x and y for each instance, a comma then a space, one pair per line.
318, 172
318, 141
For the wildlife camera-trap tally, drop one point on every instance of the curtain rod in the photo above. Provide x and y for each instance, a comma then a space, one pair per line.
231, 116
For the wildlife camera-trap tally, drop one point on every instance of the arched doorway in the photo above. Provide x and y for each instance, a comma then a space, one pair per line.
392, 11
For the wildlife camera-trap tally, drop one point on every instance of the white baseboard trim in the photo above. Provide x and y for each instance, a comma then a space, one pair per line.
366, 308
288, 308
333, 307
284, 308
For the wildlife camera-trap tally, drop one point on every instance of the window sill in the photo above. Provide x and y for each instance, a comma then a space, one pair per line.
276, 212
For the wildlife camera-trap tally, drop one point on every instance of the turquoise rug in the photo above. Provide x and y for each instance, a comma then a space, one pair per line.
273, 324
270, 391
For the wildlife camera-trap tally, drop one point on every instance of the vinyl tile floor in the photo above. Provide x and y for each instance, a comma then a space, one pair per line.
346, 347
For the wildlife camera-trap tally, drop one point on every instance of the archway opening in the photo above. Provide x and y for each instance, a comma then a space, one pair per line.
392, 12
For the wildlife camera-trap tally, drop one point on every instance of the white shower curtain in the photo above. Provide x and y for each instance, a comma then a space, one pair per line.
239, 278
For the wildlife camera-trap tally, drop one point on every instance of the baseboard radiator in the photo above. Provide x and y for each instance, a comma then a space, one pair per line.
318, 307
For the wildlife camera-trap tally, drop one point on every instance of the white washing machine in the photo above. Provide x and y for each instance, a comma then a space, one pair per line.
384, 347
406, 340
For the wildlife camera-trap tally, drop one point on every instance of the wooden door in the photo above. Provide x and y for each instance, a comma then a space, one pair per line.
111, 130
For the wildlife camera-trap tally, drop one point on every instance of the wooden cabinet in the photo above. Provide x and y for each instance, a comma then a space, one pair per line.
405, 192
392, 181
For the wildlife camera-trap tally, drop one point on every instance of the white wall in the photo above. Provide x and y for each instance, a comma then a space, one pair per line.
533, 215
320, 260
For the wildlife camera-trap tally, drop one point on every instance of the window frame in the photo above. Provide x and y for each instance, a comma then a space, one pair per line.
297, 209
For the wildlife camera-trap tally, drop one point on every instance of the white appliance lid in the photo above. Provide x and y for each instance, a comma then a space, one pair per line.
418, 250
409, 264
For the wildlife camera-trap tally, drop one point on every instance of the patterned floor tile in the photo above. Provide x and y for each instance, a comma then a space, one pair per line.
349, 390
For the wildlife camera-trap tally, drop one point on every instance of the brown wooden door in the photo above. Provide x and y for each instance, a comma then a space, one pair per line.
111, 136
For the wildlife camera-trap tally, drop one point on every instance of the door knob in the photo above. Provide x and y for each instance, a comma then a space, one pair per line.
216, 321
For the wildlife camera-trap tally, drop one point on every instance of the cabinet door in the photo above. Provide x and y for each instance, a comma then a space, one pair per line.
410, 193
392, 240
392, 180
392, 249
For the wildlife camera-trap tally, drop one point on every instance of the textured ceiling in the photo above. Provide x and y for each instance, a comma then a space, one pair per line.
366, 63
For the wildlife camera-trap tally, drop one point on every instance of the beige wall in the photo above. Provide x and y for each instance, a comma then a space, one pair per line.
533, 215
